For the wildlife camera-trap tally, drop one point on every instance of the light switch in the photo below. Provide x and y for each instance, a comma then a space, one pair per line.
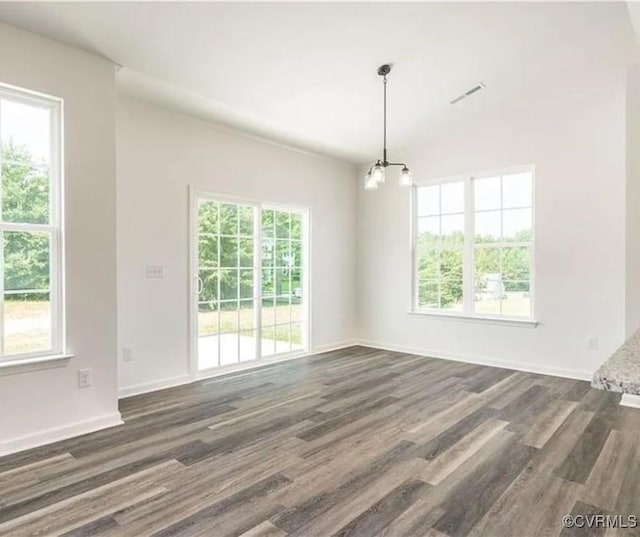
155, 271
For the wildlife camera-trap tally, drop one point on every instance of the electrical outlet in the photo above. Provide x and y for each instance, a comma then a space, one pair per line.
592, 344
154, 271
127, 354
84, 378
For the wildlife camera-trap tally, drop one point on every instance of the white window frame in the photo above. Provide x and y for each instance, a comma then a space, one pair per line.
197, 193
54, 227
468, 262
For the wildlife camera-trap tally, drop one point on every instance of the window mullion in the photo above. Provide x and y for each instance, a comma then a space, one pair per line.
467, 258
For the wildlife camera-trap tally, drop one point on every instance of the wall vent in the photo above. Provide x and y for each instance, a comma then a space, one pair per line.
468, 93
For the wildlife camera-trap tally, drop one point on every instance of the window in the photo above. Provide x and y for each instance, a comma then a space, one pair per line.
251, 280
473, 245
30, 297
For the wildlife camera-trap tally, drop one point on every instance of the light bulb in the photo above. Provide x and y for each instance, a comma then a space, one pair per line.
378, 174
369, 182
405, 177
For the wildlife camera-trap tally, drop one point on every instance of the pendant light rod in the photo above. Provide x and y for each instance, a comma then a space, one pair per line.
376, 174
384, 141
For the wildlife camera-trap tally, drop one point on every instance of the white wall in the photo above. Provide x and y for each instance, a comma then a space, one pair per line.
45, 405
633, 199
575, 137
161, 153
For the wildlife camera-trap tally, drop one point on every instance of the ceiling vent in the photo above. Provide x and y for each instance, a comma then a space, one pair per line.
468, 93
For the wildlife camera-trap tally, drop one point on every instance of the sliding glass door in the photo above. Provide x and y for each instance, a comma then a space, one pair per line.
249, 274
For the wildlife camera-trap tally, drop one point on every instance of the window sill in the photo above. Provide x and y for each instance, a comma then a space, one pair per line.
460, 317
27, 365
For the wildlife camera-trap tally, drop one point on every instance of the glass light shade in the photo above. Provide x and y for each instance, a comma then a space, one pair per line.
378, 174
406, 179
369, 182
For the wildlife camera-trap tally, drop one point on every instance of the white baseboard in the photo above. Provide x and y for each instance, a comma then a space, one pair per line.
630, 400
153, 386
171, 382
483, 360
20, 443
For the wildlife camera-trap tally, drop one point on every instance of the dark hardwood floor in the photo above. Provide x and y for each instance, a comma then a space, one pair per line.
353, 442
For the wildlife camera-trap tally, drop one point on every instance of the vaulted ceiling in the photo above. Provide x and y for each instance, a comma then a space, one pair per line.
305, 73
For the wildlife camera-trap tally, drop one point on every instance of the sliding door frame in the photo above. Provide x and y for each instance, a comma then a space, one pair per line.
198, 193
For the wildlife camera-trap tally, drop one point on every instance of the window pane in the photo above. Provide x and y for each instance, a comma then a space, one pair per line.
428, 294
283, 311
451, 264
27, 323
516, 190
268, 343
283, 282
516, 264
229, 318
247, 345
228, 284
489, 286
282, 225
429, 230
246, 252
207, 251
283, 257
297, 312
452, 197
452, 229
28, 128
428, 200
297, 342
246, 283
296, 253
208, 216
268, 252
451, 294
296, 226
516, 225
26, 261
207, 318
518, 298
296, 286
268, 283
488, 226
228, 219
428, 264
25, 188
208, 285
486, 193
229, 347
247, 315
228, 252
268, 312
208, 352
245, 216
280, 336
268, 223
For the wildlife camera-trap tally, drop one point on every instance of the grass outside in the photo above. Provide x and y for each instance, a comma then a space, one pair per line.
275, 322
27, 326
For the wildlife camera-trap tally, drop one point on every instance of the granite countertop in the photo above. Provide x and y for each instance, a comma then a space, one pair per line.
621, 372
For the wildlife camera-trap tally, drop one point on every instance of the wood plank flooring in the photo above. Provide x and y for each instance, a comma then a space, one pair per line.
356, 442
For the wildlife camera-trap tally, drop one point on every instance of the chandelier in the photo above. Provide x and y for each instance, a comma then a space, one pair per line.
376, 174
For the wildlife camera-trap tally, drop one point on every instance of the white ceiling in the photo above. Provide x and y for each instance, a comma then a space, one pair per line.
305, 73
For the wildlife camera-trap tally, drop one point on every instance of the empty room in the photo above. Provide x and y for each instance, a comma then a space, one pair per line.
319, 269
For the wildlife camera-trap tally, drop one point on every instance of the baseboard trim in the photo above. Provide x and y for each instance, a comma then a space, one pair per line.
153, 386
630, 400
171, 382
41, 438
482, 360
